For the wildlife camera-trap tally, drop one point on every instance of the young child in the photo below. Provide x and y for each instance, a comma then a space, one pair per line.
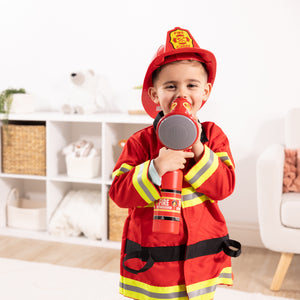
188, 265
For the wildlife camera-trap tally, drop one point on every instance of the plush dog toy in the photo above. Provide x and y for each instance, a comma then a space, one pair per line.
90, 93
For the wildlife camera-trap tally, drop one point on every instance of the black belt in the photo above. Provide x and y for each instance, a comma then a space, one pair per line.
150, 255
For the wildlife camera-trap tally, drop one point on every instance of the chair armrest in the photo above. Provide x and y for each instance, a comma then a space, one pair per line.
269, 171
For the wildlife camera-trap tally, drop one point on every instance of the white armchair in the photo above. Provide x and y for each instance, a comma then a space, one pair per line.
278, 212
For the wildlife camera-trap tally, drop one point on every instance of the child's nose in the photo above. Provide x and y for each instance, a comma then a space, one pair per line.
181, 93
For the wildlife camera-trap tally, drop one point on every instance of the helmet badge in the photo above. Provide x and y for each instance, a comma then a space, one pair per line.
180, 38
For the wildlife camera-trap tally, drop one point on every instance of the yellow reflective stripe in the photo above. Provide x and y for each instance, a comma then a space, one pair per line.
140, 290
123, 169
143, 185
171, 198
190, 197
206, 166
203, 161
148, 205
225, 158
206, 289
168, 210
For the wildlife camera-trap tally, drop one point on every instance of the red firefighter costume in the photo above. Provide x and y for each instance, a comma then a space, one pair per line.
169, 266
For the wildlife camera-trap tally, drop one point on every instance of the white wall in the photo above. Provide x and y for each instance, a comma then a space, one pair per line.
257, 45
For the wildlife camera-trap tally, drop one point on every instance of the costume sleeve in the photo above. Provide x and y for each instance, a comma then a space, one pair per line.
153, 175
132, 186
213, 175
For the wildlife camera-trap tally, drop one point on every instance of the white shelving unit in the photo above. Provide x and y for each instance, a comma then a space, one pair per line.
105, 131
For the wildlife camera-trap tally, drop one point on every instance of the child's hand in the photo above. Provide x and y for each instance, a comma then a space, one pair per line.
170, 160
198, 147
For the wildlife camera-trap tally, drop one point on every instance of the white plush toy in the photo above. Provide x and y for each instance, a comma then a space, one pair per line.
90, 93
81, 148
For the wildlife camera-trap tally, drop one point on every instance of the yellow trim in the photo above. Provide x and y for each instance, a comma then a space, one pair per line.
137, 186
171, 198
143, 291
195, 201
208, 173
209, 283
202, 162
119, 171
148, 205
153, 288
222, 154
148, 183
168, 210
143, 185
228, 161
148, 288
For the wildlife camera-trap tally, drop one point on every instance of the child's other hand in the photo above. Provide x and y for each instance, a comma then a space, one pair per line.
198, 147
170, 160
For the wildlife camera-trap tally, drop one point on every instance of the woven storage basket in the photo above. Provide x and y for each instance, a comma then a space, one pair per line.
117, 218
24, 148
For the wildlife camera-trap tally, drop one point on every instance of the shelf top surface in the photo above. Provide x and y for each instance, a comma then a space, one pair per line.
97, 117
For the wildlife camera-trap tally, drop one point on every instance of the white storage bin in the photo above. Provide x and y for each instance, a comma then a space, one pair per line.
25, 213
22, 104
83, 167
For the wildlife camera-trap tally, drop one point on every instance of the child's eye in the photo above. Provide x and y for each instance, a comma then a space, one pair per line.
170, 87
192, 85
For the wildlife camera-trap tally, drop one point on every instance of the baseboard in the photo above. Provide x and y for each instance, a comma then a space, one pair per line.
246, 234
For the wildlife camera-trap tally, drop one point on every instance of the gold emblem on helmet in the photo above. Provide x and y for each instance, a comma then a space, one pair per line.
181, 39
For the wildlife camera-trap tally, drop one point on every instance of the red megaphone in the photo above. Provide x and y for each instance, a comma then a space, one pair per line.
178, 131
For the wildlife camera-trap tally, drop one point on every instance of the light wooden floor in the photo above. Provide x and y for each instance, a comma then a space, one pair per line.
253, 270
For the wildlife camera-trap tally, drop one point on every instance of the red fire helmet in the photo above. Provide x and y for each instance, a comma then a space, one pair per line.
180, 45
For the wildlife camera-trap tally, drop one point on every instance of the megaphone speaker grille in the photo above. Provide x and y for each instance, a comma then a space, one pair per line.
177, 132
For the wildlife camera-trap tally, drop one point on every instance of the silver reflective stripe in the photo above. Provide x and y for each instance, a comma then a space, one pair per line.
208, 289
223, 158
124, 170
142, 185
204, 169
174, 295
191, 196
203, 291
225, 275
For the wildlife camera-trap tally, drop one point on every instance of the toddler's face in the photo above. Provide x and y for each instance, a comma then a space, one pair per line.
183, 79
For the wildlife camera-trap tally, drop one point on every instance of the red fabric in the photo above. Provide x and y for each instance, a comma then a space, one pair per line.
199, 222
